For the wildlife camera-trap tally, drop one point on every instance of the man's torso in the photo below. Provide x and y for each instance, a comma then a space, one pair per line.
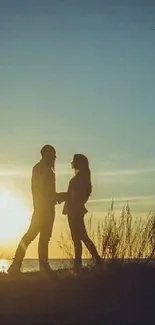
43, 189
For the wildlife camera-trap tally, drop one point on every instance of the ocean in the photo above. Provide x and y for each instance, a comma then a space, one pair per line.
31, 265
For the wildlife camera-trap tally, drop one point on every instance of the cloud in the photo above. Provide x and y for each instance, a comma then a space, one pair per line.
18, 172
64, 172
125, 172
123, 199
112, 173
63, 169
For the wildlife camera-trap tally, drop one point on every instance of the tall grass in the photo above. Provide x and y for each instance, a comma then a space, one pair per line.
118, 237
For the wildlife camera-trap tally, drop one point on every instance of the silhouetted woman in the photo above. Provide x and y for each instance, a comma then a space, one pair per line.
78, 193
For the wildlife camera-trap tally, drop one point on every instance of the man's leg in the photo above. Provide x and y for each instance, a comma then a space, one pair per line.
29, 236
45, 235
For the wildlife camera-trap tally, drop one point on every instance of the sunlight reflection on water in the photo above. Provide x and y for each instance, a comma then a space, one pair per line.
4, 264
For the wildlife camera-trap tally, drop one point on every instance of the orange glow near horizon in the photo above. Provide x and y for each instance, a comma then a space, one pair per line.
13, 217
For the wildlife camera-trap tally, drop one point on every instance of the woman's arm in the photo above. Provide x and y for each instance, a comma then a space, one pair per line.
61, 197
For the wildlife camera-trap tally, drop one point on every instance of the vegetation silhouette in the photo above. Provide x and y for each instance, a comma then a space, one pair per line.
118, 237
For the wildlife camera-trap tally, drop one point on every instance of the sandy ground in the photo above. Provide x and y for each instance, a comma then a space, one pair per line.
116, 294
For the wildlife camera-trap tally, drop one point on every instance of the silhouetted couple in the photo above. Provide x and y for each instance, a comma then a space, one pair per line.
44, 200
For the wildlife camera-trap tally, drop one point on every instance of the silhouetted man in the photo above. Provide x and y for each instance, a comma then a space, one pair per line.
44, 200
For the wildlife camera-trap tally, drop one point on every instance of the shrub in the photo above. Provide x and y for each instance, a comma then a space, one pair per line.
117, 237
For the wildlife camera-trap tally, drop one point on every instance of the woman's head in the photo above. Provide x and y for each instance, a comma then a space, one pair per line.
81, 164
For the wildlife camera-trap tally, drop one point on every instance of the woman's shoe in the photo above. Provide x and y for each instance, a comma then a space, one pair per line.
98, 261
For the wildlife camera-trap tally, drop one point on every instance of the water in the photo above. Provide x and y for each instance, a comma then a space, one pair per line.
31, 265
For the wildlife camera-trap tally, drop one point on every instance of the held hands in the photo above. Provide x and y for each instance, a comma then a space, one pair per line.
61, 197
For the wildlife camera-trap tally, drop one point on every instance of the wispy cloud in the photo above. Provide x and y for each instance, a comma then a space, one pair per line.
12, 172
64, 172
63, 169
125, 172
112, 173
124, 199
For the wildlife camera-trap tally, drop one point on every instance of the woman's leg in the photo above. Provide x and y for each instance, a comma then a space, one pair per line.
77, 242
88, 242
78, 254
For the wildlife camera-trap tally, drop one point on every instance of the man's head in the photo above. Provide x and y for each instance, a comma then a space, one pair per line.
48, 155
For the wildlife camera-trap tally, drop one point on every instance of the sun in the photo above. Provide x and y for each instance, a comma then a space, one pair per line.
13, 217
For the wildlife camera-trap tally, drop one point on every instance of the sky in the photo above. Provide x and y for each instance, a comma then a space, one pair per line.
79, 75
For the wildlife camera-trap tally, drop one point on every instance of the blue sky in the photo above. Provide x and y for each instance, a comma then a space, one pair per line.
79, 75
